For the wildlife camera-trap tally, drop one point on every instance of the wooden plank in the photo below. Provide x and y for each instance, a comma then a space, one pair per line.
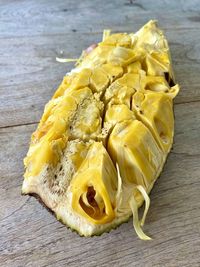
31, 236
30, 74
28, 18
29, 79
32, 33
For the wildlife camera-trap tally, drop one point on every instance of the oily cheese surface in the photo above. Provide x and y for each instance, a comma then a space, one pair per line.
105, 134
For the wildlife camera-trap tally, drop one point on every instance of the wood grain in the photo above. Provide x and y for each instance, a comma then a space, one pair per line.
32, 34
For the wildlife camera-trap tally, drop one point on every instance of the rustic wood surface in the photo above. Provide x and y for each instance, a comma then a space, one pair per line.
32, 34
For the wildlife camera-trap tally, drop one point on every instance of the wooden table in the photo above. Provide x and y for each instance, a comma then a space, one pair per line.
32, 34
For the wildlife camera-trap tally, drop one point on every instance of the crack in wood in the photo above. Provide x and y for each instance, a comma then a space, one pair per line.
3, 219
18, 125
